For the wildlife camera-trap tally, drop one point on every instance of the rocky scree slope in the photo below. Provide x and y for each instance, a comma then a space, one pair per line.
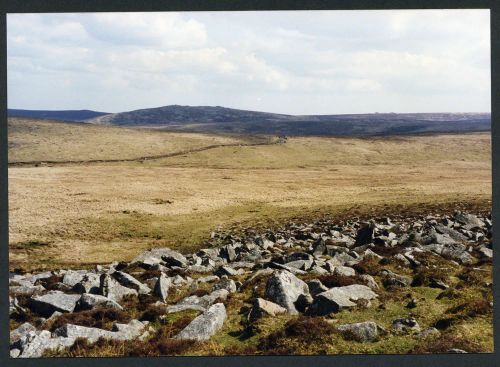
312, 270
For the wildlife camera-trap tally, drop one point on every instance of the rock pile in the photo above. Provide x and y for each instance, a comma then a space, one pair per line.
276, 260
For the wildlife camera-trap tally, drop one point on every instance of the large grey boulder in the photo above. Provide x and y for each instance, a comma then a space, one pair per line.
53, 301
89, 283
369, 281
453, 234
27, 290
109, 287
345, 271
198, 303
71, 277
395, 280
35, 343
362, 331
338, 298
469, 221
227, 284
316, 287
228, 252
22, 330
229, 271
287, 290
162, 286
119, 332
205, 325
89, 301
261, 307
155, 256
129, 281
175, 258
485, 253
457, 252
14, 307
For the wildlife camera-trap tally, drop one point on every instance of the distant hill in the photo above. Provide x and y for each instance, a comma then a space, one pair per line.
227, 120
209, 119
69, 115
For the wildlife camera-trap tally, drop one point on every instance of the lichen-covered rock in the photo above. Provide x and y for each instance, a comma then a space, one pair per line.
155, 256
89, 301
316, 287
262, 307
53, 301
35, 343
162, 286
17, 334
89, 283
338, 298
362, 331
286, 289
198, 303
129, 281
119, 332
109, 287
205, 325
227, 284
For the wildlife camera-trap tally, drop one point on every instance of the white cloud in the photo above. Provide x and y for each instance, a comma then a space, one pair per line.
291, 62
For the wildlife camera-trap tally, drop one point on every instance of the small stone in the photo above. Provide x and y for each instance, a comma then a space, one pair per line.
262, 307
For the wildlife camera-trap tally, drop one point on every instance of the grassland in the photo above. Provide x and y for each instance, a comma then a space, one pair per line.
74, 215
44, 140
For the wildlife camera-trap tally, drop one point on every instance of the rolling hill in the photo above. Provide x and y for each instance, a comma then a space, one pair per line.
209, 119
68, 115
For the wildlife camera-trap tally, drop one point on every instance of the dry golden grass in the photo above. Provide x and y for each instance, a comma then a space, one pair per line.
45, 140
98, 213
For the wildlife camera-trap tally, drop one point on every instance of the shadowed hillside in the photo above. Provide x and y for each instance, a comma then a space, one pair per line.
224, 120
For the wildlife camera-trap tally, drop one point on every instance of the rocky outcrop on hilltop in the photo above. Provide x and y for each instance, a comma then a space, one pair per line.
312, 270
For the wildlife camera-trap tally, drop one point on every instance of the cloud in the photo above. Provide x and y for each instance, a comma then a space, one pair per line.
300, 62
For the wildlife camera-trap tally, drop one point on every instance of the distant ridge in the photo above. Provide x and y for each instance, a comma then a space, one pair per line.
216, 119
68, 115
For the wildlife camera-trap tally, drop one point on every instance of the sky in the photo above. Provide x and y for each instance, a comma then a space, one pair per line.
293, 62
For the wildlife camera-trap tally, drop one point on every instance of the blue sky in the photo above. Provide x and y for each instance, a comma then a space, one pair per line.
297, 62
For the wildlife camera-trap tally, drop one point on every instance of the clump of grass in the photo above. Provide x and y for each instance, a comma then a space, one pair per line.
368, 266
450, 293
472, 309
427, 276
102, 318
29, 245
152, 313
470, 277
447, 341
303, 330
240, 350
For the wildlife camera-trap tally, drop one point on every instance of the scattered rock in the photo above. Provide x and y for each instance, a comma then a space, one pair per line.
53, 301
262, 307
110, 288
362, 331
339, 298
286, 289
205, 325
406, 325
162, 286
90, 301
